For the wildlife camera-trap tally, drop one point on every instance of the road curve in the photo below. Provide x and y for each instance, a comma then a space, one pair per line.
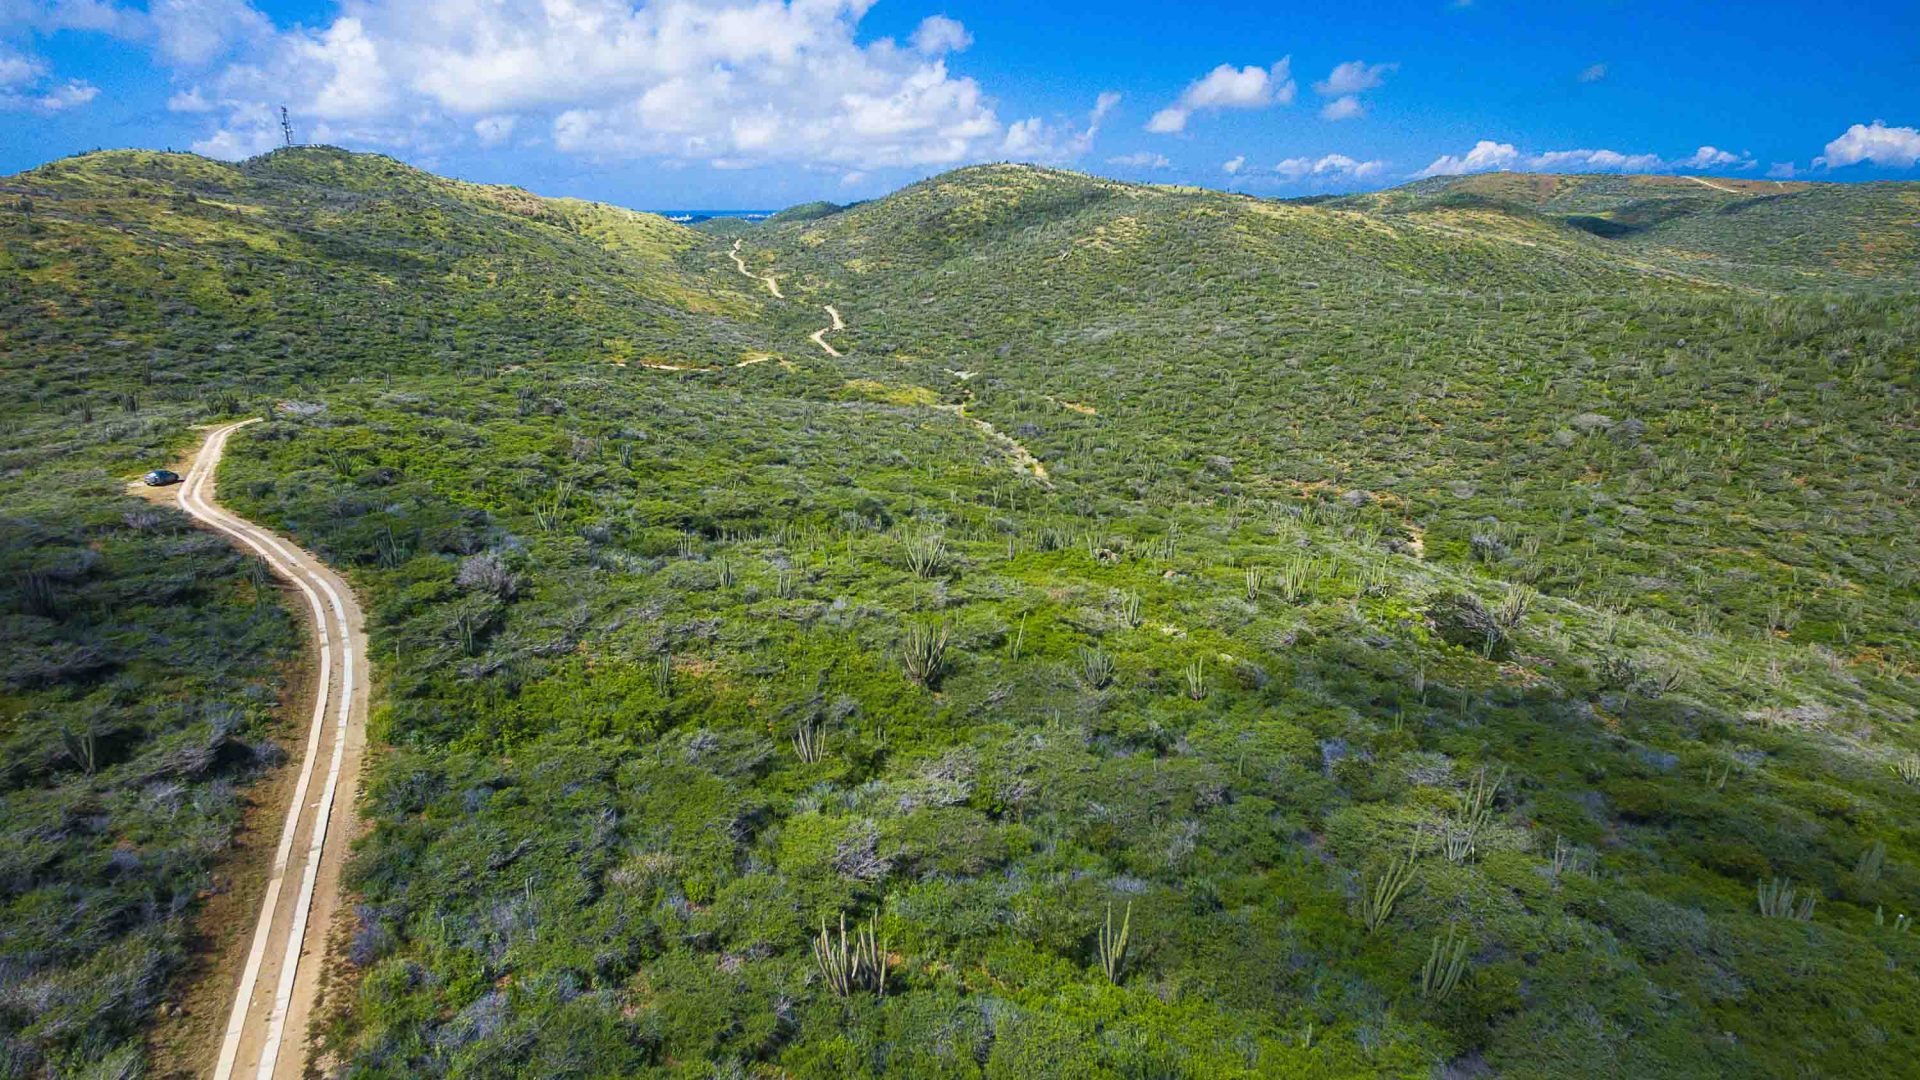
767, 279
820, 336
274, 1001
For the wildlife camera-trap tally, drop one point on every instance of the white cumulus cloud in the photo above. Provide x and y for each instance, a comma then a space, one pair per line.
192, 33
1034, 139
1485, 156
241, 138
1234, 164
1594, 160
1488, 156
1709, 157
1144, 159
1896, 147
190, 100
1593, 73
1228, 87
727, 82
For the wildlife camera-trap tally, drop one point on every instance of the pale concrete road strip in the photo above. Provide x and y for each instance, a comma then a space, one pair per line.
292, 925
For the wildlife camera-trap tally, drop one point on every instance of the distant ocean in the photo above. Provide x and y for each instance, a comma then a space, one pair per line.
688, 217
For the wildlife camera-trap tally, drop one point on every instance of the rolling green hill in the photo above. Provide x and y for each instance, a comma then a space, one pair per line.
1437, 632
806, 212
372, 267
1779, 234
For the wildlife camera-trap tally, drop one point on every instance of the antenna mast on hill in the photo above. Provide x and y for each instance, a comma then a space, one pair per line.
286, 126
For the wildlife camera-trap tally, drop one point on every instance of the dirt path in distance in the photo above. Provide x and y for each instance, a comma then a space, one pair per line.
820, 336
1703, 182
772, 286
1008, 444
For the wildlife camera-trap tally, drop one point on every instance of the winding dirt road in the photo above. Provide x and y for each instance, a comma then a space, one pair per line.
772, 287
820, 336
266, 1032
1022, 458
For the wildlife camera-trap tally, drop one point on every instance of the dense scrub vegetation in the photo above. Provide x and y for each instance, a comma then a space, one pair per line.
1433, 637
137, 678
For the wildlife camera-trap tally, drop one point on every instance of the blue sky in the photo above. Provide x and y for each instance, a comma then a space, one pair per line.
760, 103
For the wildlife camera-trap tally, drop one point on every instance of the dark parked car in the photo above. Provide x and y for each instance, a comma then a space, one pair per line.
161, 478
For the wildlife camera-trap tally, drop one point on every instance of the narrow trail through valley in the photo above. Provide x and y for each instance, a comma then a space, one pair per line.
772, 286
1007, 443
1023, 458
266, 1029
820, 336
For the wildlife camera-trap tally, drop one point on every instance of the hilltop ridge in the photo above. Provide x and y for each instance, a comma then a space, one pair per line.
1785, 234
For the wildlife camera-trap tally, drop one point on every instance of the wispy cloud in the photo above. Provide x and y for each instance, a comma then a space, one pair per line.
27, 83
1228, 87
494, 130
1353, 77
70, 94
1329, 166
1344, 85
1343, 108
1034, 139
1488, 156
